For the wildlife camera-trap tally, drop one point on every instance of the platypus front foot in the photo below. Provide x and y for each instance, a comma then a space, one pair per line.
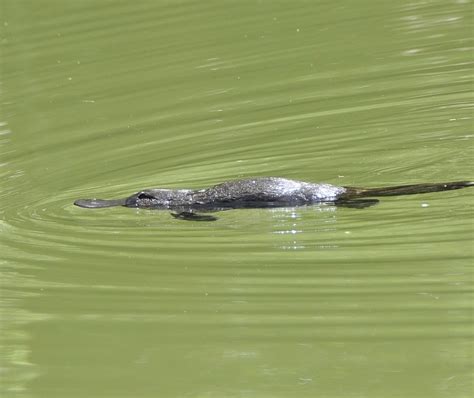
190, 216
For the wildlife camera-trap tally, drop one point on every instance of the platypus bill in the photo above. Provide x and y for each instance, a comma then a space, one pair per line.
261, 192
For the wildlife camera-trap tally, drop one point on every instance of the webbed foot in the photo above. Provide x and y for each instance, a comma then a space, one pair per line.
190, 216
357, 203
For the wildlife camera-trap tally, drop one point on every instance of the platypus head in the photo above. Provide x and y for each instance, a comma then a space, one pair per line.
158, 198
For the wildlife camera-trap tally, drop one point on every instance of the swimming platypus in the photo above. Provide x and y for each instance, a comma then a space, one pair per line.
261, 192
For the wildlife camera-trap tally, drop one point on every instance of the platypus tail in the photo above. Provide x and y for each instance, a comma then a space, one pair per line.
354, 192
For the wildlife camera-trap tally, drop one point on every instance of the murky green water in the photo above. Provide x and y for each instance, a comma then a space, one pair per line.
103, 98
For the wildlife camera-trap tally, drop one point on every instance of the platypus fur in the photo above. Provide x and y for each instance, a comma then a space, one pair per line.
261, 192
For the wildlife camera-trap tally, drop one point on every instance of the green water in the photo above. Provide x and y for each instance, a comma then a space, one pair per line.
102, 98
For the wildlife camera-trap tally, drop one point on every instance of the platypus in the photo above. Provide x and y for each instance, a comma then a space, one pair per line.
261, 192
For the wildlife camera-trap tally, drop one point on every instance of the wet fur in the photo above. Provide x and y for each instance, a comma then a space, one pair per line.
261, 193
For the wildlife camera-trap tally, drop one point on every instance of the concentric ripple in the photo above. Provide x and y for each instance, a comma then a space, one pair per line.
103, 99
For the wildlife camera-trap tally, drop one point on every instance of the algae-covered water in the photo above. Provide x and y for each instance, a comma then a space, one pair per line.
102, 99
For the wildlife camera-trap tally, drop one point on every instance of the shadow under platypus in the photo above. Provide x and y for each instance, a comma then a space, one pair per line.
262, 192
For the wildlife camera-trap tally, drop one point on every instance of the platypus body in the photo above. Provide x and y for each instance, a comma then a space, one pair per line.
260, 193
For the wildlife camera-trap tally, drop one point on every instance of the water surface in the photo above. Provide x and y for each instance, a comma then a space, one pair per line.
101, 99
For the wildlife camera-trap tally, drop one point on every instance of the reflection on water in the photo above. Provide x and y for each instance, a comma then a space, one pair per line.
302, 301
289, 222
16, 366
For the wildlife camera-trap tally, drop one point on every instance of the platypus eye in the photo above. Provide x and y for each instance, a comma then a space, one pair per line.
144, 195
